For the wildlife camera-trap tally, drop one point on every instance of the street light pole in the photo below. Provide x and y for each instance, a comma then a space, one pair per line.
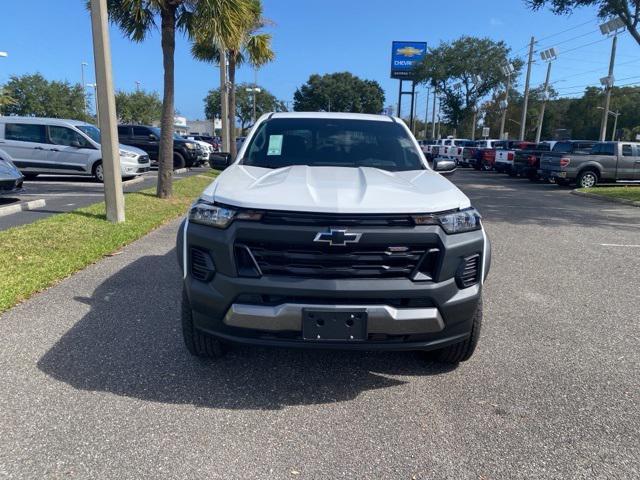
84, 86
433, 114
426, 113
114, 199
95, 101
609, 87
504, 106
615, 125
137, 82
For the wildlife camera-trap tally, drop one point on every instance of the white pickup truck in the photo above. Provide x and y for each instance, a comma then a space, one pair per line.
330, 230
450, 149
505, 154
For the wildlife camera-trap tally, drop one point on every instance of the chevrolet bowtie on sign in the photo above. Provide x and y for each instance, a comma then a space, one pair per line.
404, 57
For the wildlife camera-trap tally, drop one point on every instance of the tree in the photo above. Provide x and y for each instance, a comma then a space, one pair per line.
138, 107
463, 72
265, 102
34, 95
339, 92
137, 19
627, 10
246, 44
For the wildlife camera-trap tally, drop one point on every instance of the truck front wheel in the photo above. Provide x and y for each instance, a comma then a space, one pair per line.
199, 344
461, 352
587, 179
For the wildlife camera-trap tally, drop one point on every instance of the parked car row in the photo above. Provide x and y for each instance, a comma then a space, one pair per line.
71, 147
582, 162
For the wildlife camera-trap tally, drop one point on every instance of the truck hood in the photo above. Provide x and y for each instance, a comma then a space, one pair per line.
335, 190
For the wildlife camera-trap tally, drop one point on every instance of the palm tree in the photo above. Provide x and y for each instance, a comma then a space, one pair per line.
137, 19
247, 44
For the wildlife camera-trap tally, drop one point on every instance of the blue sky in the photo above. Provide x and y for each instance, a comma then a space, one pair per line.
313, 36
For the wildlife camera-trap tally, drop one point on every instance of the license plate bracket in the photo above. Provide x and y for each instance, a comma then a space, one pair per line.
331, 325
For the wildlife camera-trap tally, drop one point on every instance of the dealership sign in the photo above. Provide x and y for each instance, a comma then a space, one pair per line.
404, 57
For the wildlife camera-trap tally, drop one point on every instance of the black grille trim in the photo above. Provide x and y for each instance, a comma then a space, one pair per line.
358, 261
202, 267
275, 217
468, 273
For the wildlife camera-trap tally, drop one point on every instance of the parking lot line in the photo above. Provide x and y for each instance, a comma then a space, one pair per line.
618, 245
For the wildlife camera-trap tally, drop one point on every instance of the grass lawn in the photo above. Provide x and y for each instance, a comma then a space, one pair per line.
35, 256
628, 192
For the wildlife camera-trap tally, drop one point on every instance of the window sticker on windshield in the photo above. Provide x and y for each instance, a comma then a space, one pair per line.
275, 145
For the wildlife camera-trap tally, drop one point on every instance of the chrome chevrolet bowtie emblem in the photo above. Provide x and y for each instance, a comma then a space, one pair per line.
338, 238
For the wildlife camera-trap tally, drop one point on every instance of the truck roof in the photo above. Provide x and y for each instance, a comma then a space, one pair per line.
336, 115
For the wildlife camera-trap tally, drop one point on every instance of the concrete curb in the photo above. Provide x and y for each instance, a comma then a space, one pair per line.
133, 181
180, 170
22, 206
606, 199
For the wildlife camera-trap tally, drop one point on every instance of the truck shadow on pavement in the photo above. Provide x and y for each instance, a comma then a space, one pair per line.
130, 344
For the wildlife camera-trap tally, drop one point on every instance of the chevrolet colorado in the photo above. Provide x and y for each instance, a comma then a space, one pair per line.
330, 230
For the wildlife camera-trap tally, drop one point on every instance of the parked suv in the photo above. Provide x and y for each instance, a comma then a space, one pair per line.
69, 147
186, 153
331, 231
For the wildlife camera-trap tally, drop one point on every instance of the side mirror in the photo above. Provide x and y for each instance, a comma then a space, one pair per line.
220, 160
75, 144
445, 167
153, 136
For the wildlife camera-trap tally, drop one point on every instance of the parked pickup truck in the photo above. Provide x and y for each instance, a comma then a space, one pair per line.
481, 154
526, 163
605, 162
315, 237
507, 154
451, 149
564, 147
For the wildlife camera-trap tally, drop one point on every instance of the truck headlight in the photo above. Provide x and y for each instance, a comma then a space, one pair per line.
207, 213
191, 146
454, 222
127, 154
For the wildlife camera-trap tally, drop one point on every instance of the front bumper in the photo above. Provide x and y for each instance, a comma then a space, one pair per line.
402, 314
11, 186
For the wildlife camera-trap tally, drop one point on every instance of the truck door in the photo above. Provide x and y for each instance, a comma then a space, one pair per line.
632, 153
625, 162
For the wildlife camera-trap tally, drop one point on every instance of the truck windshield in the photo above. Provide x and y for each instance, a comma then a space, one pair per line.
330, 142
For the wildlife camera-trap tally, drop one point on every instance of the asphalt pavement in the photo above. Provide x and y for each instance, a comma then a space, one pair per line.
96, 383
65, 193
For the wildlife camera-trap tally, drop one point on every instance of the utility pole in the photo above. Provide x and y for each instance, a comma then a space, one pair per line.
523, 120
426, 113
114, 199
615, 125
433, 114
84, 86
224, 107
544, 103
255, 89
609, 87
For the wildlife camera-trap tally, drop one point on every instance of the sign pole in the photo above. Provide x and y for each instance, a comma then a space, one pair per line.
399, 113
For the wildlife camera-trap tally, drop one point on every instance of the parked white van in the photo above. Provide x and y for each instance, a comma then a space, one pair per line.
69, 147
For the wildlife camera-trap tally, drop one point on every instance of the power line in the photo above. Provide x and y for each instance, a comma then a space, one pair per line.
565, 31
569, 39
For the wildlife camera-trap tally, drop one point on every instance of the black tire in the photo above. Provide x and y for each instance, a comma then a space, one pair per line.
198, 344
98, 172
461, 352
587, 179
30, 176
178, 161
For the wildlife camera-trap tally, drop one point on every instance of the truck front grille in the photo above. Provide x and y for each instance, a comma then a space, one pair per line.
415, 262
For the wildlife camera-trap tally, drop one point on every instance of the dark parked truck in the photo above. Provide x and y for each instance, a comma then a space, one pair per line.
330, 230
526, 163
186, 153
564, 147
605, 162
